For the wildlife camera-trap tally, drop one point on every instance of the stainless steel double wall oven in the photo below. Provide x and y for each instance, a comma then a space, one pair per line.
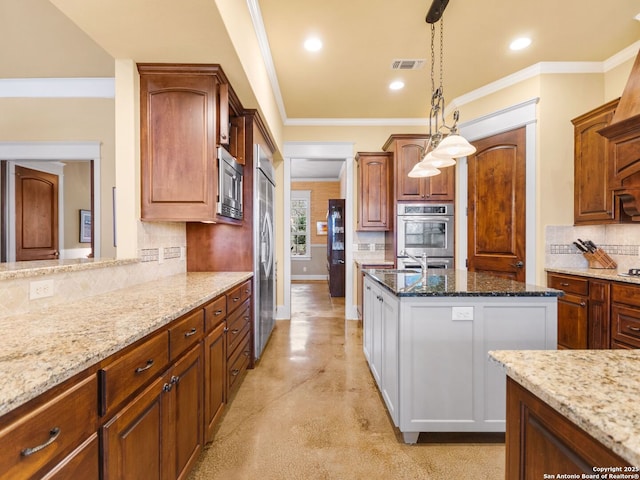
425, 228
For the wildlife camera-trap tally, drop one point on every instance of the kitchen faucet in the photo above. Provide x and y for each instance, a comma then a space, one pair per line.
422, 261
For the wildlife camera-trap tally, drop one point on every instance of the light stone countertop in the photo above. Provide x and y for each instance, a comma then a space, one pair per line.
598, 390
42, 349
34, 268
600, 273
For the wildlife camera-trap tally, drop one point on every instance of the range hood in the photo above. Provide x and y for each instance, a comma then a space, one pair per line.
623, 134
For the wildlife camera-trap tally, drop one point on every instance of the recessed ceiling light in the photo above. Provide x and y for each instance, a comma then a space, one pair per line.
313, 44
520, 43
396, 85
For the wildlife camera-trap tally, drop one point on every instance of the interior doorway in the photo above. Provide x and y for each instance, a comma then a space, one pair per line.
337, 151
47, 154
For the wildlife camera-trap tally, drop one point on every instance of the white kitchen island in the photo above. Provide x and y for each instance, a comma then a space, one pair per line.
427, 341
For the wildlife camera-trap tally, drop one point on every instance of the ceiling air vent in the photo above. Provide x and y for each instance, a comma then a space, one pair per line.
408, 64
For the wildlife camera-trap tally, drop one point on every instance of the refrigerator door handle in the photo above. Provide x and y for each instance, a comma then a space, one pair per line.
267, 244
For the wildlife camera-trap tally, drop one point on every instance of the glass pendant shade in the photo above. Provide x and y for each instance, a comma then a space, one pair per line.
453, 146
432, 161
421, 170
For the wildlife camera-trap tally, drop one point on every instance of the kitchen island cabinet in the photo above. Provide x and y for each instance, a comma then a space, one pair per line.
571, 412
426, 342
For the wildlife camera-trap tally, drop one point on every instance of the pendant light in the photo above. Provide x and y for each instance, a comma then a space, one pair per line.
445, 143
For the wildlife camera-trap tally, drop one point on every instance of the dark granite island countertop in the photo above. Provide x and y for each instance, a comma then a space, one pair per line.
455, 283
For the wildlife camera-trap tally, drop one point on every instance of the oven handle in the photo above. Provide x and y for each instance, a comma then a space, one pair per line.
411, 218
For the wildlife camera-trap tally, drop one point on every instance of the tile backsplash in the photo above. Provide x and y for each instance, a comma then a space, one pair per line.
162, 252
620, 242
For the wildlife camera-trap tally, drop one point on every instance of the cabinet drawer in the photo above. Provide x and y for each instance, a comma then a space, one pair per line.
568, 284
239, 362
215, 312
626, 325
185, 333
133, 370
627, 294
50, 432
238, 295
238, 324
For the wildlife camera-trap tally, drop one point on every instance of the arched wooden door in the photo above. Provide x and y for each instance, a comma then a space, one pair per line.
36, 215
496, 205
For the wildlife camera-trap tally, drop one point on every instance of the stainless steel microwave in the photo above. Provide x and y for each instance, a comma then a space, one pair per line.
229, 185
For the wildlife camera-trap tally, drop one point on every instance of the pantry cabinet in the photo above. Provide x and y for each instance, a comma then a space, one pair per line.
375, 190
407, 151
185, 113
594, 201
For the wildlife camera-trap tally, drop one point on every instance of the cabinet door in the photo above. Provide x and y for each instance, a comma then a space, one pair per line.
442, 187
539, 441
374, 207
133, 439
178, 147
407, 154
599, 320
572, 321
367, 320
215, 367
593, 198
389, 369
376, 335
187, 396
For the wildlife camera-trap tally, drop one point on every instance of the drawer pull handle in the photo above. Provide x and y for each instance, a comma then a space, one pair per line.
235, 372
53, 435
246, 318
235, 331
235, 299
583, 304
634, 329
247, 291
146, 367
226, 329
247, 353
191, 332
217, 312
564, 284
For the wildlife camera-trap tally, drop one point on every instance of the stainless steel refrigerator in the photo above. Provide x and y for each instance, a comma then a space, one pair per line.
264, 257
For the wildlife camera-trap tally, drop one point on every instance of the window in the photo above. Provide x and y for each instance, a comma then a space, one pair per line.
300, 213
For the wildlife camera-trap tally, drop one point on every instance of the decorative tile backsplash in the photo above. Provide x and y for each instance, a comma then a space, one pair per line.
621, 242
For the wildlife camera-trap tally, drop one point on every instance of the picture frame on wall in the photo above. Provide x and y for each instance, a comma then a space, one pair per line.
321, 228
85, 226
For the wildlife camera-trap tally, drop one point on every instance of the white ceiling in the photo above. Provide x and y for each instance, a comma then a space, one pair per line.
319, 169
345, 82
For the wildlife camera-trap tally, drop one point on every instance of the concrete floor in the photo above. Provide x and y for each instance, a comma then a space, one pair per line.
311, 410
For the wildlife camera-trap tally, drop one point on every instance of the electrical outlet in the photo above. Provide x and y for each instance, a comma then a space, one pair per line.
461, 313
40, 289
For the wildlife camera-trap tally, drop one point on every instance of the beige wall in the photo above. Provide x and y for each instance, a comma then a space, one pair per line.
68, 119
77, 196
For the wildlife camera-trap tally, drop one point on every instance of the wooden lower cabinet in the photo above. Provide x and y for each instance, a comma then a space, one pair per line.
215, 383
596, 313
54, 436
540, 441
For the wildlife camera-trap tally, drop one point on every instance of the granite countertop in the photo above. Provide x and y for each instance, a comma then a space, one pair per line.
455, 283
598, 390
612, 274
42, 349
34, 268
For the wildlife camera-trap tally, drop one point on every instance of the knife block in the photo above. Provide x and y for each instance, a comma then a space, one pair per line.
599, 259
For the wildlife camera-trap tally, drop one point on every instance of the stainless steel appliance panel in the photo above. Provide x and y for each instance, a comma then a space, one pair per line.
264, 257
425, 228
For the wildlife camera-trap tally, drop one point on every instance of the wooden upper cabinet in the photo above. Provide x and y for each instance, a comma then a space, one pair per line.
408, 150
184, 115
593, 197
375, 191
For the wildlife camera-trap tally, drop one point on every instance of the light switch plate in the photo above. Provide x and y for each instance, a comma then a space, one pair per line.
461, 313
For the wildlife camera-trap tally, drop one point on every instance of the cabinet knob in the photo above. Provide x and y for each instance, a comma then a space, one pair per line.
191, 332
